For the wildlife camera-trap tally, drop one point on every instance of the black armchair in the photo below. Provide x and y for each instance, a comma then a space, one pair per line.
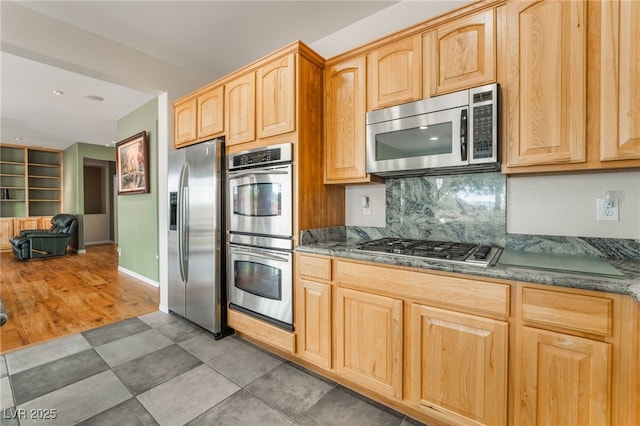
42, 243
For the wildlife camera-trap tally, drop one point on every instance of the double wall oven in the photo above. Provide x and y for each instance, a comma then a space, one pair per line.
260, 238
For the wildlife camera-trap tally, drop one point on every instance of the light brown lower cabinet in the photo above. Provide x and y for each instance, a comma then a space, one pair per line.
459, 365
6, 232
369, 340
564, 380
452, 349
313, 305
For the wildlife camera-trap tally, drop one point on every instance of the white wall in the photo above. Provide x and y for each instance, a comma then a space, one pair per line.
566, 205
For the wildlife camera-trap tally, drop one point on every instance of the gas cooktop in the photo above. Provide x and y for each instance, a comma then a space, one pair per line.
445, 251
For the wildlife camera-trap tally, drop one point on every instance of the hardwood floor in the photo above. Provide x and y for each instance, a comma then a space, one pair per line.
45, 299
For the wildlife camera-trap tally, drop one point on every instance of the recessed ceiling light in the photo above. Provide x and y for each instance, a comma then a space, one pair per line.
18, 138
57, 92
423, 127
434, 138
95, 98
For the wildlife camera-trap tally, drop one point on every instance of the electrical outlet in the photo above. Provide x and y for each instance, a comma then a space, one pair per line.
606, 211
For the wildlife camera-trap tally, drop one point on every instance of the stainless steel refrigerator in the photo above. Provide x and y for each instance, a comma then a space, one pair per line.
197, 289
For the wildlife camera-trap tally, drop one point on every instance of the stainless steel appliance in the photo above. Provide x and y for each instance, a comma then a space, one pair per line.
452, 133
260, 237
443, 251
196, 235
260, 191
261, 283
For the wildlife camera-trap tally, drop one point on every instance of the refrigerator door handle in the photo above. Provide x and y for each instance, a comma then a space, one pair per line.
183, 220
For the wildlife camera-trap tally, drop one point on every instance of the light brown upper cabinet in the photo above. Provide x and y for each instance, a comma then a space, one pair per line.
345, 109
240, 107
393, 73
620, 80
198, 116
276, 97
546, 65
185, 122
211, 112
460, 54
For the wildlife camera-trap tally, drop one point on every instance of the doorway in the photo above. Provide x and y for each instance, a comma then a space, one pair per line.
99, 214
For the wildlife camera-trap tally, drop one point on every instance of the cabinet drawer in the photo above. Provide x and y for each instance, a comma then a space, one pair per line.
464, 293
314, 267
587, 314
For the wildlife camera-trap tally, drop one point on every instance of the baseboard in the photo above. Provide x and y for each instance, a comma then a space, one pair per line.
95, 243
139, 277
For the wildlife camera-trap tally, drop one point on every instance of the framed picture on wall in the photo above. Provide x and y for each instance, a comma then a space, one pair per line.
132, 165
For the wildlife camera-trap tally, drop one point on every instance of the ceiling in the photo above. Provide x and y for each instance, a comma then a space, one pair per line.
128, 52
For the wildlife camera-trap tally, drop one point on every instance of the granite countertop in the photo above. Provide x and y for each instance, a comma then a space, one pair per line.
628, 285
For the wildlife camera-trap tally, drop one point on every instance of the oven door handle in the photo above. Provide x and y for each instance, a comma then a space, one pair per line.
258, 253
235, 175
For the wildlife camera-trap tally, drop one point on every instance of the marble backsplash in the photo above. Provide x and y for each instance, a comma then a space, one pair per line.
464, 208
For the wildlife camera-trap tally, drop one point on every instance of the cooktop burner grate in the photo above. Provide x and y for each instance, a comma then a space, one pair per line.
475, 254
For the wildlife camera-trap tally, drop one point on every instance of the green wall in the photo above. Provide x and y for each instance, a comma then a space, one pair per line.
73, 179
138, 214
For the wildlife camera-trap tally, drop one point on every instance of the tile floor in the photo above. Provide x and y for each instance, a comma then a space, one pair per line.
161, 369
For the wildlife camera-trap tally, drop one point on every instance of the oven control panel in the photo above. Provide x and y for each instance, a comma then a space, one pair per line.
262, 156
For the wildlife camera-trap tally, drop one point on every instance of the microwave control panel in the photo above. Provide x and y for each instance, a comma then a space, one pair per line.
484, 128
483, 131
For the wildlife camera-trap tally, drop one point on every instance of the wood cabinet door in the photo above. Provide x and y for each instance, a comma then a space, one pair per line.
185, 122
546, 82
620, 80
459, 365
211, 112
6, 233
26, 223
460, 54
345, 108
240, 109
562, 380
394, 73
276, 97
369, 340
44, 222
314, 322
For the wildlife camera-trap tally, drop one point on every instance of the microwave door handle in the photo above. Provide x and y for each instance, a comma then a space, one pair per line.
463, 134
259, 254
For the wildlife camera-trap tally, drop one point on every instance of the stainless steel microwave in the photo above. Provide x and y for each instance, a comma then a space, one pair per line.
452, 133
